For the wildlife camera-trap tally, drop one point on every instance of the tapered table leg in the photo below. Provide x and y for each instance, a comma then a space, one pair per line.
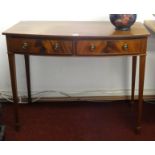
28, 81
141, 88
134, 65
12, 66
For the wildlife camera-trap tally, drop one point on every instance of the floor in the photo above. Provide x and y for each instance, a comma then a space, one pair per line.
79, 121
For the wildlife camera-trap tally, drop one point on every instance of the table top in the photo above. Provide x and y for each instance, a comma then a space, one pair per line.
74, 29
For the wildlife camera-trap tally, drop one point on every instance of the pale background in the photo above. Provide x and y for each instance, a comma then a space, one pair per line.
74, 76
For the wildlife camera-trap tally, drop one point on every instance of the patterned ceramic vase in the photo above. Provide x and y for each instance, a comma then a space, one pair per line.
123, 21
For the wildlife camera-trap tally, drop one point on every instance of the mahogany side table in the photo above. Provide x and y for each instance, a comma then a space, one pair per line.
72, 38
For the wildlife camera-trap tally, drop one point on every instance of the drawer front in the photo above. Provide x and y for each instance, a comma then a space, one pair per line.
40, 46
108, 47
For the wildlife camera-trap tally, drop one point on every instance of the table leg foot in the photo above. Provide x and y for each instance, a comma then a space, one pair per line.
17, 127
138, 130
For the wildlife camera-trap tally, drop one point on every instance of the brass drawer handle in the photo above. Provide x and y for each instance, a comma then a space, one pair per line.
92, 47
25, 45
125, 46
56, 46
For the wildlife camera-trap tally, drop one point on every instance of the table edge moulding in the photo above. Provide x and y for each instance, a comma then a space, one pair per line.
76, 38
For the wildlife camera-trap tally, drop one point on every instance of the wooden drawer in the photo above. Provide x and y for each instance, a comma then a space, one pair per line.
40, 46
108, 47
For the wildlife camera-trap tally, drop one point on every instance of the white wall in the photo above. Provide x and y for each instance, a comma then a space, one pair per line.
76, 76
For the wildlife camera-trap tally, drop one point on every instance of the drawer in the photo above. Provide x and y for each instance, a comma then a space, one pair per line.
108, 47
40, 46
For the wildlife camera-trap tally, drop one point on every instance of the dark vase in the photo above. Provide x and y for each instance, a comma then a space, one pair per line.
123, 21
